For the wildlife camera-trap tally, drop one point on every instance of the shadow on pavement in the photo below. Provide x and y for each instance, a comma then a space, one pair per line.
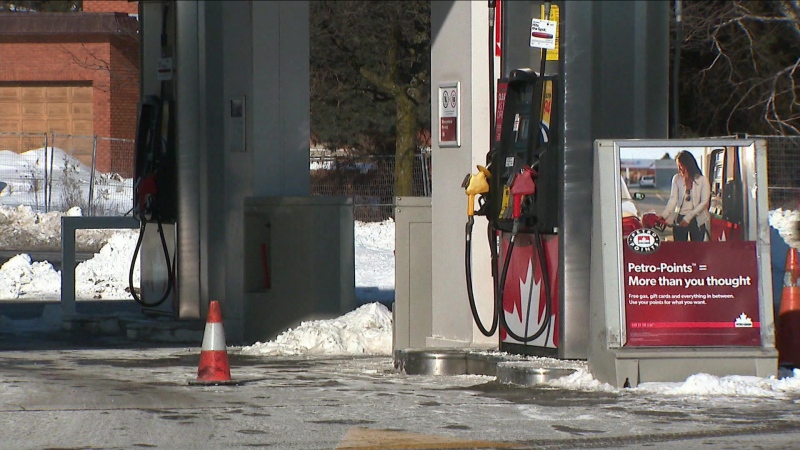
39, 325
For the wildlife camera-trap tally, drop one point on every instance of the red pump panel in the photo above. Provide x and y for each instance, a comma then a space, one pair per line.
525, 280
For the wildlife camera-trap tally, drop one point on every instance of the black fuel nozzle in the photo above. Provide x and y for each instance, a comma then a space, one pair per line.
465, 183
483, 205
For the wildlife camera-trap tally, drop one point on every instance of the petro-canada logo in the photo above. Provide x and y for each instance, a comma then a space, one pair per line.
644, 240
743, 321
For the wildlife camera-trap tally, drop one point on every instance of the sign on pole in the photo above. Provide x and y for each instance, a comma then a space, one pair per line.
449, 106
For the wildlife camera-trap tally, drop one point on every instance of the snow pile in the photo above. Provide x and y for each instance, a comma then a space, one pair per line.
365, 331
698, 385
705, 385
24, 229
787, 222
581, 380
106, 275
21, 278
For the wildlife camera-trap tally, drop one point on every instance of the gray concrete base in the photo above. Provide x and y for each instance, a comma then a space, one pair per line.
135, 328
165, 331
629, 368
94, 324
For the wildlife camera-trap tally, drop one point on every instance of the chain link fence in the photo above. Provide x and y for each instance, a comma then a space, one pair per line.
783, 171
369, 180
94, 173
61, 171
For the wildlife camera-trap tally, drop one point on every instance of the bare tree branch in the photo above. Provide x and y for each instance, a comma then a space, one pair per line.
740, 66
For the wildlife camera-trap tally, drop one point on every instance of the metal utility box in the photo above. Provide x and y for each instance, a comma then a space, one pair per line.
298, 262
671, 298
412, 305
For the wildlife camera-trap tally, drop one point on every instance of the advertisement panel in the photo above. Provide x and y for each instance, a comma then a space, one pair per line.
687, 279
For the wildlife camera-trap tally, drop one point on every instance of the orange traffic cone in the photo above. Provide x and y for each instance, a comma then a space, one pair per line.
214, 368
788, 328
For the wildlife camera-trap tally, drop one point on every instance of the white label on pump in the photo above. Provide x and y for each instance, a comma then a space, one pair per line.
509, 161
516, 122
164, 69
543, 34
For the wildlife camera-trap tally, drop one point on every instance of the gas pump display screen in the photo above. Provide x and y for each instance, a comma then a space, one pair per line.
690, 275
521, 126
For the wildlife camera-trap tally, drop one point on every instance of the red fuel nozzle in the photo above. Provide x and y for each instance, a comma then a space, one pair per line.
521, 186
148, 188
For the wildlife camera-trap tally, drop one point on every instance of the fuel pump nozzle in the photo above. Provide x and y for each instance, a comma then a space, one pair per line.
475, 184
521, 186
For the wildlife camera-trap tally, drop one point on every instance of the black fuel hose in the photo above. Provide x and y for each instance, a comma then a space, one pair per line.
170, 267
470, 293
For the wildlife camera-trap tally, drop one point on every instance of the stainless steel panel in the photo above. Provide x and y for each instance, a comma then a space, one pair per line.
615, 68
187, 125
524, 374
445, 362
577, 104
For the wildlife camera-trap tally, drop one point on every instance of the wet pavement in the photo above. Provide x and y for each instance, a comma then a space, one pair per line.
73, 391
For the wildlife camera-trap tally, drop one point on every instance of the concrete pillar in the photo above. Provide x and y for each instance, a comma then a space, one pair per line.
459, 54
242, 120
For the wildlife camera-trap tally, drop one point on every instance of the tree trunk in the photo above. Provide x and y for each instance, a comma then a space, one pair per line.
405, 146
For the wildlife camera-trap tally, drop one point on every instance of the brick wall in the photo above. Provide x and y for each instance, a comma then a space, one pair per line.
123, 6
124, 100
56, 62
111, 67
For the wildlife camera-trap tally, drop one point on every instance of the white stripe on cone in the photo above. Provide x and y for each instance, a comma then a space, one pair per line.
214, 337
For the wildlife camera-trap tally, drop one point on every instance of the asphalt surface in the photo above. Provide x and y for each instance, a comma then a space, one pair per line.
61, 390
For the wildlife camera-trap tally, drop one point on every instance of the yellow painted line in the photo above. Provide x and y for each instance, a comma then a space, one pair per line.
368, 439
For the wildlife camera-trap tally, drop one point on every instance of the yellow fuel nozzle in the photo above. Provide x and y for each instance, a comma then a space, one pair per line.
477, 184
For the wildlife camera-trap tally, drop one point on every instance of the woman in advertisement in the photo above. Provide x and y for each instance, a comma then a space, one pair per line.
687, 207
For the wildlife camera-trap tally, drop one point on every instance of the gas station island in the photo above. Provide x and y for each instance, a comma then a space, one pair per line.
535, 105
581, 262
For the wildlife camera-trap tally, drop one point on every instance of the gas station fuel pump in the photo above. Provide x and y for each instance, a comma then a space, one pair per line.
155, 178
519, 197
154, 189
